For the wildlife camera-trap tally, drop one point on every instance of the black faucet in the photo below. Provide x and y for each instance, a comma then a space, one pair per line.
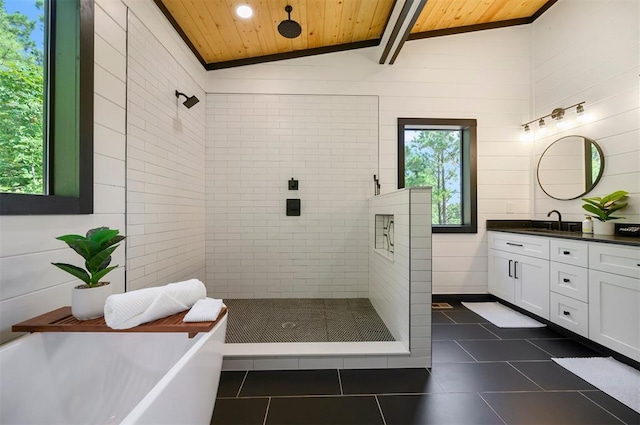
559, 217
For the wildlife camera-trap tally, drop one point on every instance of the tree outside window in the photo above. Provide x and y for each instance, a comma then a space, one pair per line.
22, 97
46, 106
433, 158
441, 153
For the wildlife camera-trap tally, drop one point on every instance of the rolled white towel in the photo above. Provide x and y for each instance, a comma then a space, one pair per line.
206, 310
123, 311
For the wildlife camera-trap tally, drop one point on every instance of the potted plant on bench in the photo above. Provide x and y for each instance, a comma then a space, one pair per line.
87, 300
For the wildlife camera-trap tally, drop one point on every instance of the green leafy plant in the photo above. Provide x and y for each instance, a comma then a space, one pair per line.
96, 249
602, 208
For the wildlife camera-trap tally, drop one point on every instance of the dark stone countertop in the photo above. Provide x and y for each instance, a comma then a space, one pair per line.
541, 228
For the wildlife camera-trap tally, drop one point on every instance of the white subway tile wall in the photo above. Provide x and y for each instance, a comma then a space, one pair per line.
255, 144
579, 56
394, 285
165, 165
389, 279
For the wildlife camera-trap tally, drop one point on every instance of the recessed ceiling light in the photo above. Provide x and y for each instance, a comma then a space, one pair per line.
244, 11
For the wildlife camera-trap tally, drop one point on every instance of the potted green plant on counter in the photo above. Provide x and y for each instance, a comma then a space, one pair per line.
602, 210
87, 300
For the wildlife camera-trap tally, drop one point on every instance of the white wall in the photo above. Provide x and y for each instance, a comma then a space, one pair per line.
483, 75
29, 284
165, 163
255, 144
590, 51
400, 289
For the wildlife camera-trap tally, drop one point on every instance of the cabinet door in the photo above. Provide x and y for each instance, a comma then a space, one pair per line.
614, 312
531, 277
500, 269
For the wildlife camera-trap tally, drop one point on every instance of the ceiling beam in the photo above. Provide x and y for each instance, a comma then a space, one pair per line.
399, 21
292, 55
403, 24
414, 17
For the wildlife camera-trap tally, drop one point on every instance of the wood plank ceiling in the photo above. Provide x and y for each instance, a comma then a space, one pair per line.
454, 15
220, 39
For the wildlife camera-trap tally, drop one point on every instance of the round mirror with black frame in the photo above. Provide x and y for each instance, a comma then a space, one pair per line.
570, 167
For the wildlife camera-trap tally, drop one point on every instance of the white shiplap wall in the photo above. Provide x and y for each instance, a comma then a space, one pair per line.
165, 165
29, 284
482, 75
590, 51
255, 144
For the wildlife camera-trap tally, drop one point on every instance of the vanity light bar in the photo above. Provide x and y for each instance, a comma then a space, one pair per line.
557, 114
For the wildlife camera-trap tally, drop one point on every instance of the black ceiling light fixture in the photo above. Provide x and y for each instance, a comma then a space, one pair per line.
289, 28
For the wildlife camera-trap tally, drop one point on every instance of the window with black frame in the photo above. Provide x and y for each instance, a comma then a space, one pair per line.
46, 107
441, 153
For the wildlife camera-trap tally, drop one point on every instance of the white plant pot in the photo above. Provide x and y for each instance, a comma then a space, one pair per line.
604, 228
88, 303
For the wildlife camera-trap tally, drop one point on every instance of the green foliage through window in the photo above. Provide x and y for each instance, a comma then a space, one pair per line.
433, 158
441, 153
22, 109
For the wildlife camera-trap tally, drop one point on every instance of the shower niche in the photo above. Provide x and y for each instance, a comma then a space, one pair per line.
384, 235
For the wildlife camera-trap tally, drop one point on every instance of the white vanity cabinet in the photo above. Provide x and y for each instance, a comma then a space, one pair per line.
590, 288
614, 298
519, 271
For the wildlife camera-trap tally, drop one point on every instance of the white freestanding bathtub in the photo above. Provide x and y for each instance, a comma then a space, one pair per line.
111, 378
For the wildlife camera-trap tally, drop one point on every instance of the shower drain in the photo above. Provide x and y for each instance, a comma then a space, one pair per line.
288, 325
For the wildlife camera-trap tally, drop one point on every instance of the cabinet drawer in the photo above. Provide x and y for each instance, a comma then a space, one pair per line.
568, 280
568, 252
624, 261
570, 314
532, 246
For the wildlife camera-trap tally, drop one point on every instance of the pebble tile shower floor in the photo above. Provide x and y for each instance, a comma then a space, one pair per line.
304, 320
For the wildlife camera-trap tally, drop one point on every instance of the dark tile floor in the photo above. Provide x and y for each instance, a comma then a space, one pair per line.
481, 374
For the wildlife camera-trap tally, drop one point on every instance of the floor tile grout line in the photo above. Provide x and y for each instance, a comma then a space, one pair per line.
602, 407
523, 374
492, 409
266, 413
429, 371
340, 382
359, 395
384, 421
453, 322
242, 383
463, 349
489, 330
542, 349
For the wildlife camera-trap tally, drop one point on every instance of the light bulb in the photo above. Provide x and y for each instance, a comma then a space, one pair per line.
244, 11
582, 116
542, 127
562, 124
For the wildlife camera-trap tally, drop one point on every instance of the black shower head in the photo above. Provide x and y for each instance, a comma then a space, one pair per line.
190, 100
289, 28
